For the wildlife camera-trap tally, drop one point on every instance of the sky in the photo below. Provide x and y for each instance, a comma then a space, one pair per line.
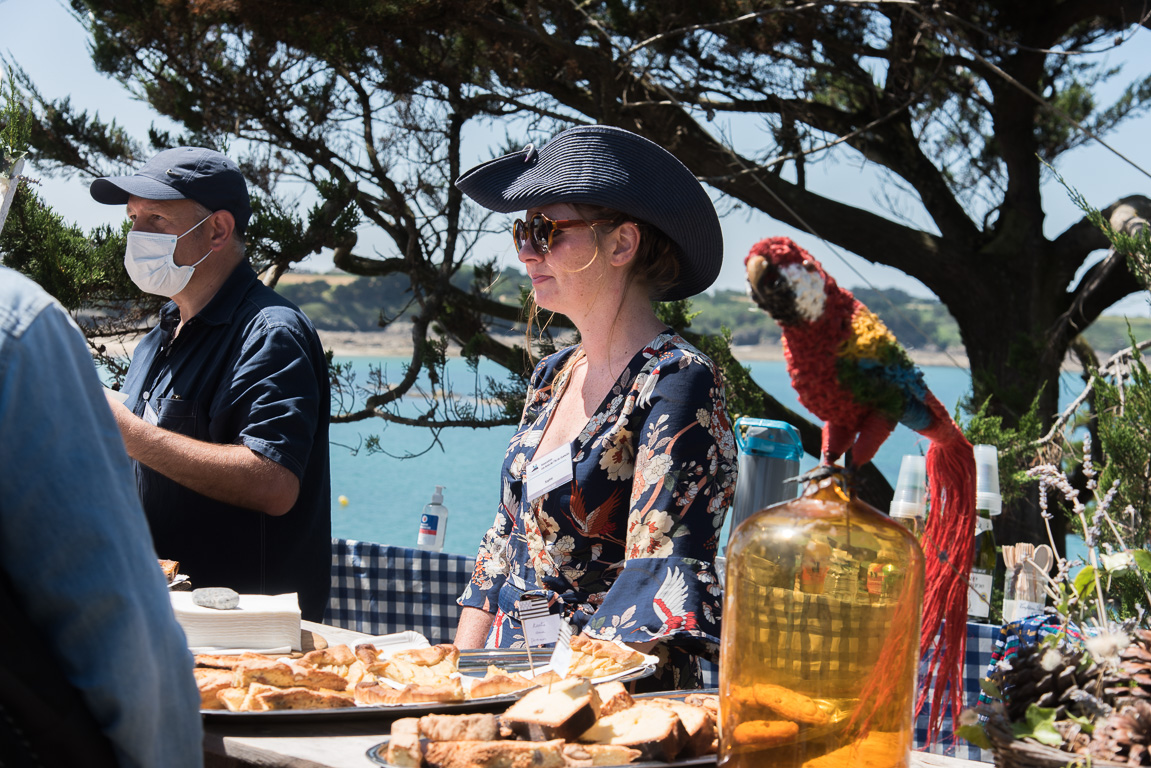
51, 46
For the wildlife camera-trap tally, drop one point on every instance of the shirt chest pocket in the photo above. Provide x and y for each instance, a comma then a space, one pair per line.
182, 416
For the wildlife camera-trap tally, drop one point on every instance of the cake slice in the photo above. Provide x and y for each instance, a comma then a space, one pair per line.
613, 697
562, 711
495, 754
404, 749
696, 722
655, 731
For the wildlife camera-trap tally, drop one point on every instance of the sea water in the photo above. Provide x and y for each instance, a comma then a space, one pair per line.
384, 494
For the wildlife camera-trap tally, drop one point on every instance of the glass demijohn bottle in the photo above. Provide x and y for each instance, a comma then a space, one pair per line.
817, 671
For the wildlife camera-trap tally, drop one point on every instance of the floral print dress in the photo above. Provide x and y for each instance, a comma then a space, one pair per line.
625, 550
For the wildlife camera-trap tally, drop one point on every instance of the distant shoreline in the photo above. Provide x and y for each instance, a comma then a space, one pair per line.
397, 342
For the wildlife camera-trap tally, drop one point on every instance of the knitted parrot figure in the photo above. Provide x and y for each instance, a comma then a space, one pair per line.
849, 370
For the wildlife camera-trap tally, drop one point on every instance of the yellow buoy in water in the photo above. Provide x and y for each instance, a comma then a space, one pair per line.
343, 501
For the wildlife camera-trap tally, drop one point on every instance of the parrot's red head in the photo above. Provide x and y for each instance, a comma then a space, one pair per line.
787, 282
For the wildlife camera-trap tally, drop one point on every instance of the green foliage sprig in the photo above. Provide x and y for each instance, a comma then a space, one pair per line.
1136, 245
16, 133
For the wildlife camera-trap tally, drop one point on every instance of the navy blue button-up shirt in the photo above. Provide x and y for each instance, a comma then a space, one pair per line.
249, 370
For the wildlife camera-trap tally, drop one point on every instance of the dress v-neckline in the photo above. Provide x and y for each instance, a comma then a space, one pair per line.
559, 387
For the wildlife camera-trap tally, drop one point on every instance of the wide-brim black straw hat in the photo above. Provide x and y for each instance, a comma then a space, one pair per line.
610, 167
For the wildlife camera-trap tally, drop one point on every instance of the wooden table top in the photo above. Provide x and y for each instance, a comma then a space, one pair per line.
344, 744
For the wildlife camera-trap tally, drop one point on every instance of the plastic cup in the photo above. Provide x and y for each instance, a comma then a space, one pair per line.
987, 494
910, 499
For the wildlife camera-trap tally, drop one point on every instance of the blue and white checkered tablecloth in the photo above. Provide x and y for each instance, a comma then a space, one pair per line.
381, 589
981, 642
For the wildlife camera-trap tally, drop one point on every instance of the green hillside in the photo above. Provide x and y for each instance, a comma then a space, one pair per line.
344, 304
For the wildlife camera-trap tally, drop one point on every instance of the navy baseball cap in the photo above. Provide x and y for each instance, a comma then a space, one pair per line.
184, 173
614, 168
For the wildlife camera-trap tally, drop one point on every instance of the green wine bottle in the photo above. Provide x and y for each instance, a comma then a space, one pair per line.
989, 503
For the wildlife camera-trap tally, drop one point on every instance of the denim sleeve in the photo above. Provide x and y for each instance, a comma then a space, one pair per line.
75, 543
273, 398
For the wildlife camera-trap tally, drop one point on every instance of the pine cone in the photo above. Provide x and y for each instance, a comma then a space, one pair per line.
1125, 737
1067, 681
1135, 665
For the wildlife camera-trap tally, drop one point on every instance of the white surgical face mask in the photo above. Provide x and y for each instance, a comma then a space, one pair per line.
148, 259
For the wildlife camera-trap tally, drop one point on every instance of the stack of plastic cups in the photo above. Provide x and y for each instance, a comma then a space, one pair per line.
909, 504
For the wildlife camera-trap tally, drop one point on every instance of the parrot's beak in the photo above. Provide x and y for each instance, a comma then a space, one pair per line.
770, 289
762, 276
756, 266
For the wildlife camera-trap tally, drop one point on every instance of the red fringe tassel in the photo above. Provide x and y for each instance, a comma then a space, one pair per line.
949, 548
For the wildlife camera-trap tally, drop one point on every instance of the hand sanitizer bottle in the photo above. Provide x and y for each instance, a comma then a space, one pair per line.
433, 522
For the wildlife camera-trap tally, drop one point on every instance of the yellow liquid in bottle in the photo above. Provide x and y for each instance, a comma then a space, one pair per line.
819, 675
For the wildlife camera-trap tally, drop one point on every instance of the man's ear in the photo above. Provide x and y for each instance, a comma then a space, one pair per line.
223, 223
626, 243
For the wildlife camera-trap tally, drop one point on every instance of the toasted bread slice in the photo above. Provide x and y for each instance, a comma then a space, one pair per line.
587, 755
478, 727
495, 754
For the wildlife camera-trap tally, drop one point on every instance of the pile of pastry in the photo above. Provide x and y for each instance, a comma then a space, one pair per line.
339, 677
568, 723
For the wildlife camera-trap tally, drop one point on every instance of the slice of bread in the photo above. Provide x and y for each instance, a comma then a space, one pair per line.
404, 750
495, 754
479, 727
655, 731
563, 710
587, 755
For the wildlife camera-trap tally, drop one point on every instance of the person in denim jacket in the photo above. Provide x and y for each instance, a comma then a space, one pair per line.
75, 549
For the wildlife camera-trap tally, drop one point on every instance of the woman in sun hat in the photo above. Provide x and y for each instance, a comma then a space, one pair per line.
617, 482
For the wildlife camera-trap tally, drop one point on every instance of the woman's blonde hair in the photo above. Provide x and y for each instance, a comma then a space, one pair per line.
655, 265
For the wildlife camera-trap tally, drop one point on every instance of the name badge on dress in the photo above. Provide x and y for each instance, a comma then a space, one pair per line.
549, 472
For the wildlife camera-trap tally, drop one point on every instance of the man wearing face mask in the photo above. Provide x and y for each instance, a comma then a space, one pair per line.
227, 403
